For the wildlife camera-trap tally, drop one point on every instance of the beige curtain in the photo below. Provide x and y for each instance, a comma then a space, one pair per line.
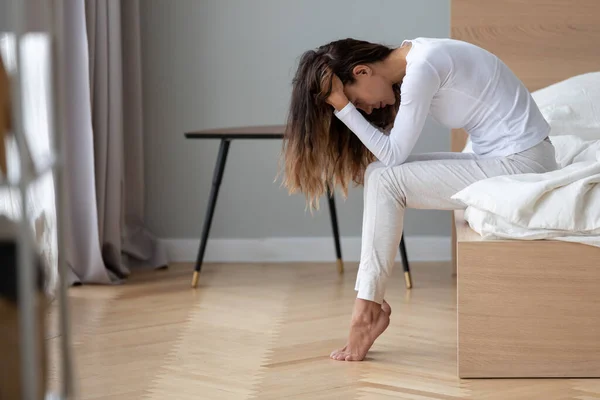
103, 118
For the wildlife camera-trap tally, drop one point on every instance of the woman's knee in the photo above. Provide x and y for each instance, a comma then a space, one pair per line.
374, 166
385, 179
392, 183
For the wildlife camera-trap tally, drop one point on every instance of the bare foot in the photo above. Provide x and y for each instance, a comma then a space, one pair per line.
369, 320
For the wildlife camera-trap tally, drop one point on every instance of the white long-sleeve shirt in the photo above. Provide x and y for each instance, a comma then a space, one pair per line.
459, 85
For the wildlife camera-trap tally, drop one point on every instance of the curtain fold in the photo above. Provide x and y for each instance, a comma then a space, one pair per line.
106, 85
104, 143
80, 216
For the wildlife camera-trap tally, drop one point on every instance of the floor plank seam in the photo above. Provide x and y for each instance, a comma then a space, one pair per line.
81, 337
171, 358
275, 333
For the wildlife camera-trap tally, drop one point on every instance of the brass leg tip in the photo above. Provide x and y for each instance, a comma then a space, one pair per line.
340, 266
195, 279
408, 280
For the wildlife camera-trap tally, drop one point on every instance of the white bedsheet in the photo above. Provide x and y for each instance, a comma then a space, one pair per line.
559, 205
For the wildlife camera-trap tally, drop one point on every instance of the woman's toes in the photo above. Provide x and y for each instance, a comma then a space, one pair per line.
334, 354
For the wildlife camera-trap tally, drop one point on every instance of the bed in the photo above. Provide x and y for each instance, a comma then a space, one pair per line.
527, 308
36, 110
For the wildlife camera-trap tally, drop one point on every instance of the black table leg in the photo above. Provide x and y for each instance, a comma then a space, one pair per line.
216, 183
336, 232
407, 277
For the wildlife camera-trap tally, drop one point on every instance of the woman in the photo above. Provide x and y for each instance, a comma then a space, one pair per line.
356, 112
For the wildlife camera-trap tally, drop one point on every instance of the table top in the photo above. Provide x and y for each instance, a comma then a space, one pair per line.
242, 132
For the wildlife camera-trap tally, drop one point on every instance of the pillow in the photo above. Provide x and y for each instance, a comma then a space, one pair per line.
571, 107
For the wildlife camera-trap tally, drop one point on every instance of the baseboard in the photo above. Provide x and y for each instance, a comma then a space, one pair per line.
298, 249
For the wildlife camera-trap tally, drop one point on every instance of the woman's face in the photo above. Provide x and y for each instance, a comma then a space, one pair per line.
369, 90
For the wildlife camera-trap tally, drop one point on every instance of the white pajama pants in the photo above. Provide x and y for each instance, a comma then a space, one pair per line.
424, 181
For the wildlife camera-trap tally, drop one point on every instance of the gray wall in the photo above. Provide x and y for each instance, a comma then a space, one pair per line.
218, 63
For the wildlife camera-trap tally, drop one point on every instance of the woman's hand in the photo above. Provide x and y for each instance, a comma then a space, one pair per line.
337, 98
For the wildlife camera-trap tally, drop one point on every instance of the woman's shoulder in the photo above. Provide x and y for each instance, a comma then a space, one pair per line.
426, 52
430, 60
438, 53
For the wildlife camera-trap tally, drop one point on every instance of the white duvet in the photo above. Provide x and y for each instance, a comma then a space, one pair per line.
559, 205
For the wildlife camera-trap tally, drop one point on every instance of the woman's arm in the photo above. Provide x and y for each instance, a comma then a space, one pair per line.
418, 88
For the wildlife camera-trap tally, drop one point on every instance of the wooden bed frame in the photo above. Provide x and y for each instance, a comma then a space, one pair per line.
542, 41
547, 289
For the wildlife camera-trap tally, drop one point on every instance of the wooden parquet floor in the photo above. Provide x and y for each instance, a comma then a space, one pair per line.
253, 331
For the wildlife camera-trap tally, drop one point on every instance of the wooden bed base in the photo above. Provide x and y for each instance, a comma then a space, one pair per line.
526, 308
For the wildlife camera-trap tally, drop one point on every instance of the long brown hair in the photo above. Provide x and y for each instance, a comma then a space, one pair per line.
319, 150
